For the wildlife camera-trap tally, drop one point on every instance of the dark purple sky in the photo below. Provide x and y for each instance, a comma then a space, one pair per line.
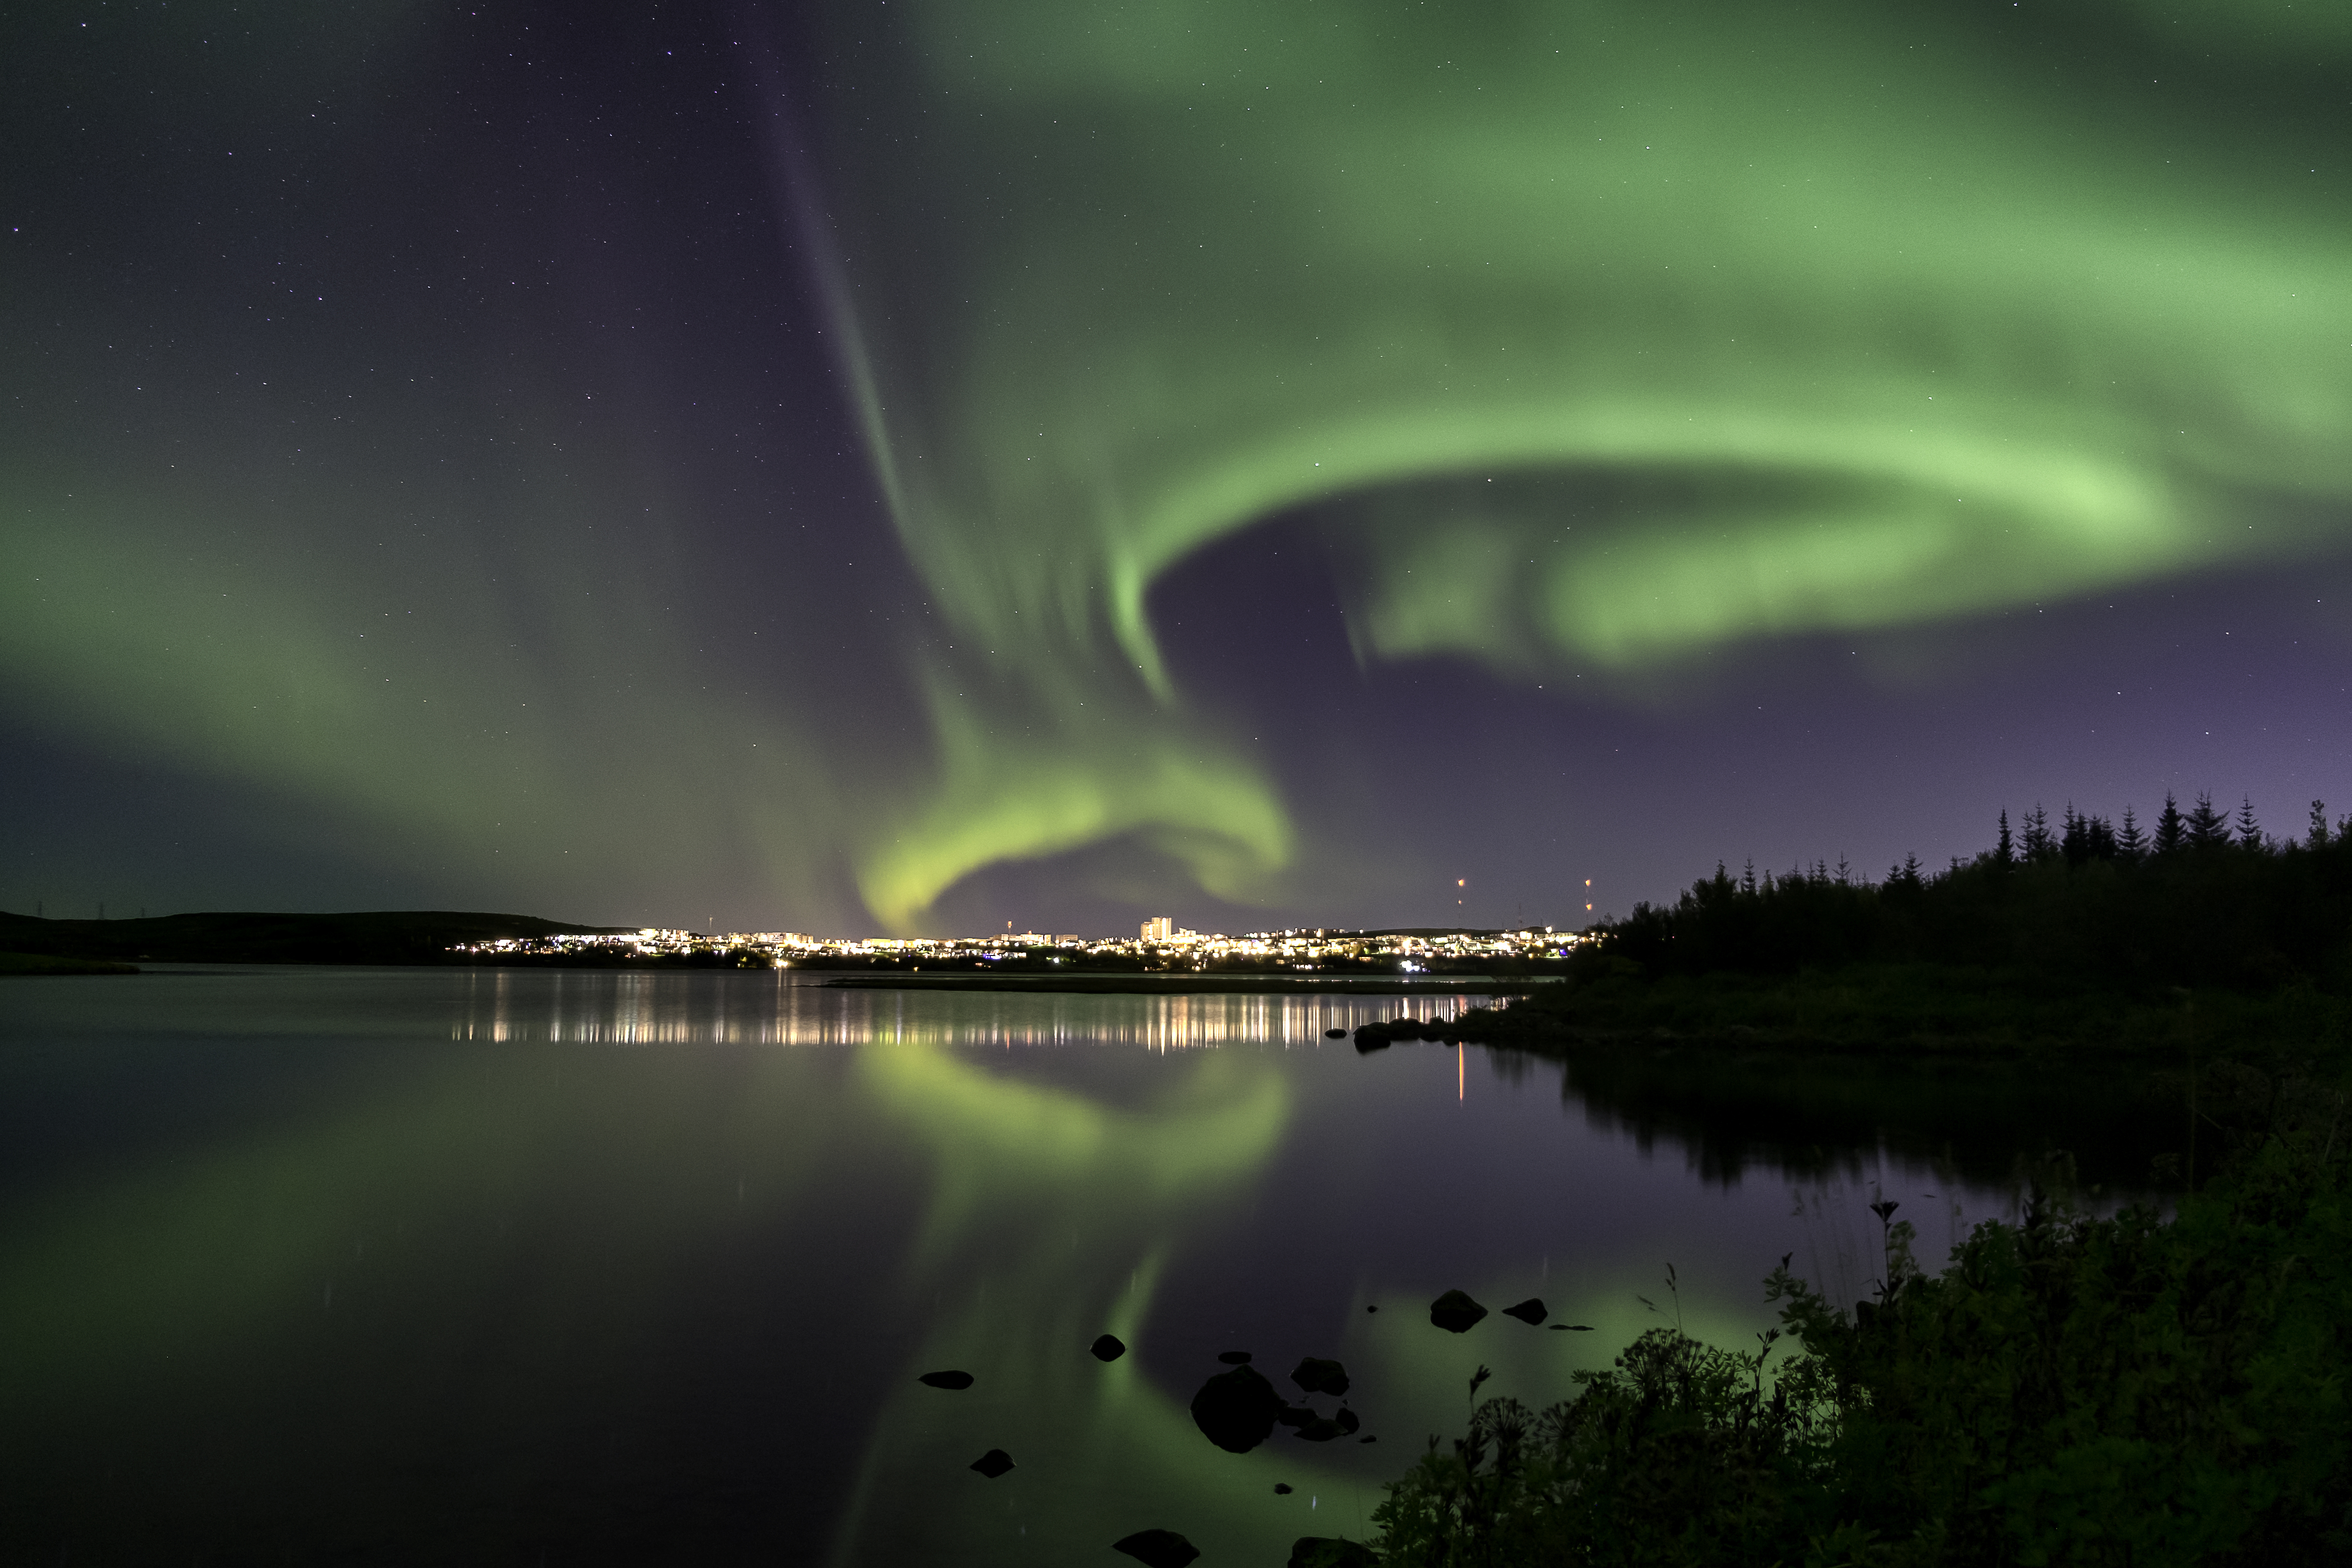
924, 466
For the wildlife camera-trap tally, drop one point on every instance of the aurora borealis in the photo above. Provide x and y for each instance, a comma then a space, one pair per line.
929, 465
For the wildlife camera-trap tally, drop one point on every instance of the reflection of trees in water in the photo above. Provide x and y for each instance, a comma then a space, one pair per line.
1841, 1117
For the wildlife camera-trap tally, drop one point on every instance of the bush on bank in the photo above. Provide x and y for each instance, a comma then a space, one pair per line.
2129, 1390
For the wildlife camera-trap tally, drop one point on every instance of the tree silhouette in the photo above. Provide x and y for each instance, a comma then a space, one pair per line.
2207, 828
2171, 827
2040, 843
2075, 837
2250, 832
2092, 907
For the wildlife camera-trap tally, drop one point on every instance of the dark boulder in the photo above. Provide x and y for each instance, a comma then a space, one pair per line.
1236, 1410
1107, 1348
1156, 1548
1455, 1312
1317, 1375
947, 1379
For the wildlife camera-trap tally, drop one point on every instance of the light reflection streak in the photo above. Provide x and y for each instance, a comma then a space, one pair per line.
659, 1009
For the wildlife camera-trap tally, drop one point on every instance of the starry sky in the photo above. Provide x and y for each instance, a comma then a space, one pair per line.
922, 466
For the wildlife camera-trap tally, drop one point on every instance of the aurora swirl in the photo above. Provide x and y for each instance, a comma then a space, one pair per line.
1596, 342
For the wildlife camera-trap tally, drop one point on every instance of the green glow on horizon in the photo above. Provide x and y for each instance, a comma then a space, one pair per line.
1856, 324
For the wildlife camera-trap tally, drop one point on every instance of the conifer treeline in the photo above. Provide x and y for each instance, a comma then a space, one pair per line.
2201, 898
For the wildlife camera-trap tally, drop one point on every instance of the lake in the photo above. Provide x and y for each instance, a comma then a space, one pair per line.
450, 1265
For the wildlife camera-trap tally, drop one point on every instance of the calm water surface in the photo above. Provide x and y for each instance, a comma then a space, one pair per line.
399, 1265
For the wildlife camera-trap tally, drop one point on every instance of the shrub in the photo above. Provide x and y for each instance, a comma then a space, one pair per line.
2070, 1389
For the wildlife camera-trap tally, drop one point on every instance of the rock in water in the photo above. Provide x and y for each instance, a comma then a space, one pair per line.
1107, 1348
994, 1463
1317, 1375
947, 1379
1455, 1312
1331, 1551
1322, 1429
1234, 1358
1282, 1489
1335, 1034
1236, 1410
1529, 1312
1158, 1548
1370, 1038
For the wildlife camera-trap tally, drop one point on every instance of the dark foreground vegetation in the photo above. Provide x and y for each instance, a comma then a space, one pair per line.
2083, 938
2143, 1388
2132, 1390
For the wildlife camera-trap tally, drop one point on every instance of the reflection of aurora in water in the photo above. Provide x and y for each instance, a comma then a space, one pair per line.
275, 1246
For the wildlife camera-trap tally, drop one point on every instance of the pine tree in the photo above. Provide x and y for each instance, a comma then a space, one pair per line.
2099, 837
1747, 881
2318, 838
2131, 841
2209, 826
1911, 871
2040, 843
2171, 827
2005, 853
2074, 841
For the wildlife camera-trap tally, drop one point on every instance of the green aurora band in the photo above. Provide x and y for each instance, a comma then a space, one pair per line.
1600, 342
1603, 337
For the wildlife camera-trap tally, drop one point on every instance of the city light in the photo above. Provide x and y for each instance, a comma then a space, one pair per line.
1158, 941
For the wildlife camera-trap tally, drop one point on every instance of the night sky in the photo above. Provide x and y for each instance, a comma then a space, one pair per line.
922, 466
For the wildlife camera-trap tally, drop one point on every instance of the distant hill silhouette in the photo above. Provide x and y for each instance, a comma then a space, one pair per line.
381, 936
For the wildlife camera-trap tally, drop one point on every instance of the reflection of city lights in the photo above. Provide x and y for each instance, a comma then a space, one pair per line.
642, 1009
